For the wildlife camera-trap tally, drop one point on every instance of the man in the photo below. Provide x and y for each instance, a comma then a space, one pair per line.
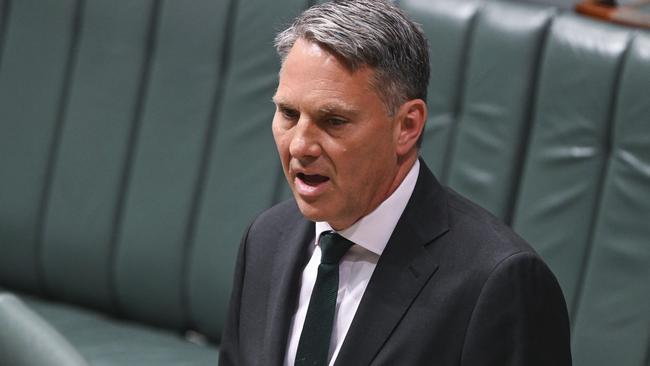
373, 262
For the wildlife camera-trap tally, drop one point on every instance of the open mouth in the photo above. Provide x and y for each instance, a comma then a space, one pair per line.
312, 179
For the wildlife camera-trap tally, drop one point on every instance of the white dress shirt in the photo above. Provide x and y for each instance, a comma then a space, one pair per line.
370, 235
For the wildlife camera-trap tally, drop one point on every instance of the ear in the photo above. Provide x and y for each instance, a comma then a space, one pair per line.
411, 116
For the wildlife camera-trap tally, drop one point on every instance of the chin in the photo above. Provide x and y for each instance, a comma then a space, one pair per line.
311, 211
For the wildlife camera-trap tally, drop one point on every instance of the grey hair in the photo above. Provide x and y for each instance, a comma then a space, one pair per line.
375, 33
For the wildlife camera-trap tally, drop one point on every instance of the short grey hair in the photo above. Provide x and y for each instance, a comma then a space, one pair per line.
375, 33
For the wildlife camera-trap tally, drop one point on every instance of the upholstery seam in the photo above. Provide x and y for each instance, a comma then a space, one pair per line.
459, 97
602, 177
55, 144
5, 9
529, 125
133, 138
202, 176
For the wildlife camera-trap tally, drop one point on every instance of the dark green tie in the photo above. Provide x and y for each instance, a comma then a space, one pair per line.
313, 347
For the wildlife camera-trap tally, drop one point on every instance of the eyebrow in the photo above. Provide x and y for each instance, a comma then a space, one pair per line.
278, 100
329, 108
338, 108
282, 105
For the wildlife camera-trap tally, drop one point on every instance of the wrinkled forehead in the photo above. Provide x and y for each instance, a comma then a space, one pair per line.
304, 42
313, 71
310, 60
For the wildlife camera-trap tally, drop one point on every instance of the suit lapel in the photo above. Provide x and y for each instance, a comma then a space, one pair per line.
402, 271
284, 292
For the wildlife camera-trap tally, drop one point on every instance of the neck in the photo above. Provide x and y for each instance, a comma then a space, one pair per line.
404, 165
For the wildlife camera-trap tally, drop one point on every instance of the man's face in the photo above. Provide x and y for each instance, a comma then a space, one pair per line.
335, 138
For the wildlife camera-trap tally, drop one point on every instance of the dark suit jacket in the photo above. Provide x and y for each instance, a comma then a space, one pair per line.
454, 286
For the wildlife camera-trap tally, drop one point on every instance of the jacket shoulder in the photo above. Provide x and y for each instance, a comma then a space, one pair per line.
484, 238
276, 219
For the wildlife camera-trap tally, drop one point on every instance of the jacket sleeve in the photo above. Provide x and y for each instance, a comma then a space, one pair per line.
229, 347
520, 318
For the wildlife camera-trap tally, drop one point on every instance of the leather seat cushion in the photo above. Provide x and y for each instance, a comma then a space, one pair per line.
107, 341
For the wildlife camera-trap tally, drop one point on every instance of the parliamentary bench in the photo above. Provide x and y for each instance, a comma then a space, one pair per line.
135, 147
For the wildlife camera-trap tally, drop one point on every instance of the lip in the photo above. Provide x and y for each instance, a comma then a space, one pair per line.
309, 190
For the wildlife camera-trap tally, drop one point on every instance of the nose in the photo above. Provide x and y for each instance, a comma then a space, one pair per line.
305, 144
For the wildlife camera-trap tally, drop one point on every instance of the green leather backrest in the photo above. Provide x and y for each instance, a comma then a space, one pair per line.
566, 156
177, 112
135, 147
448, 25
99, 110
487, 153
36, 42
612, 321
243, 175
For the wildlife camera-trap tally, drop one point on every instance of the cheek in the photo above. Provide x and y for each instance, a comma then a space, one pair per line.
281, 137
370, 165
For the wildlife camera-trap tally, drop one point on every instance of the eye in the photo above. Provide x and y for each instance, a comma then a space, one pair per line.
336, 121
289, 114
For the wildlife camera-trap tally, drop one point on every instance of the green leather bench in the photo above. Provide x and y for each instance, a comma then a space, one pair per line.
135, 146
23, 330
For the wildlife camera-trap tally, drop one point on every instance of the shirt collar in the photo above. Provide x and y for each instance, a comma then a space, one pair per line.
373, 231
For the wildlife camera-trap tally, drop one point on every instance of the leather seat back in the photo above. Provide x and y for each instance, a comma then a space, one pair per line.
135, 146
612, 317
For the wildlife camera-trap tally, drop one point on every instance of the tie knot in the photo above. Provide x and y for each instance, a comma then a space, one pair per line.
333, 246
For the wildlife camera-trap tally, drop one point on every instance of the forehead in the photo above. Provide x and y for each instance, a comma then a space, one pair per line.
310, 70
318, 55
